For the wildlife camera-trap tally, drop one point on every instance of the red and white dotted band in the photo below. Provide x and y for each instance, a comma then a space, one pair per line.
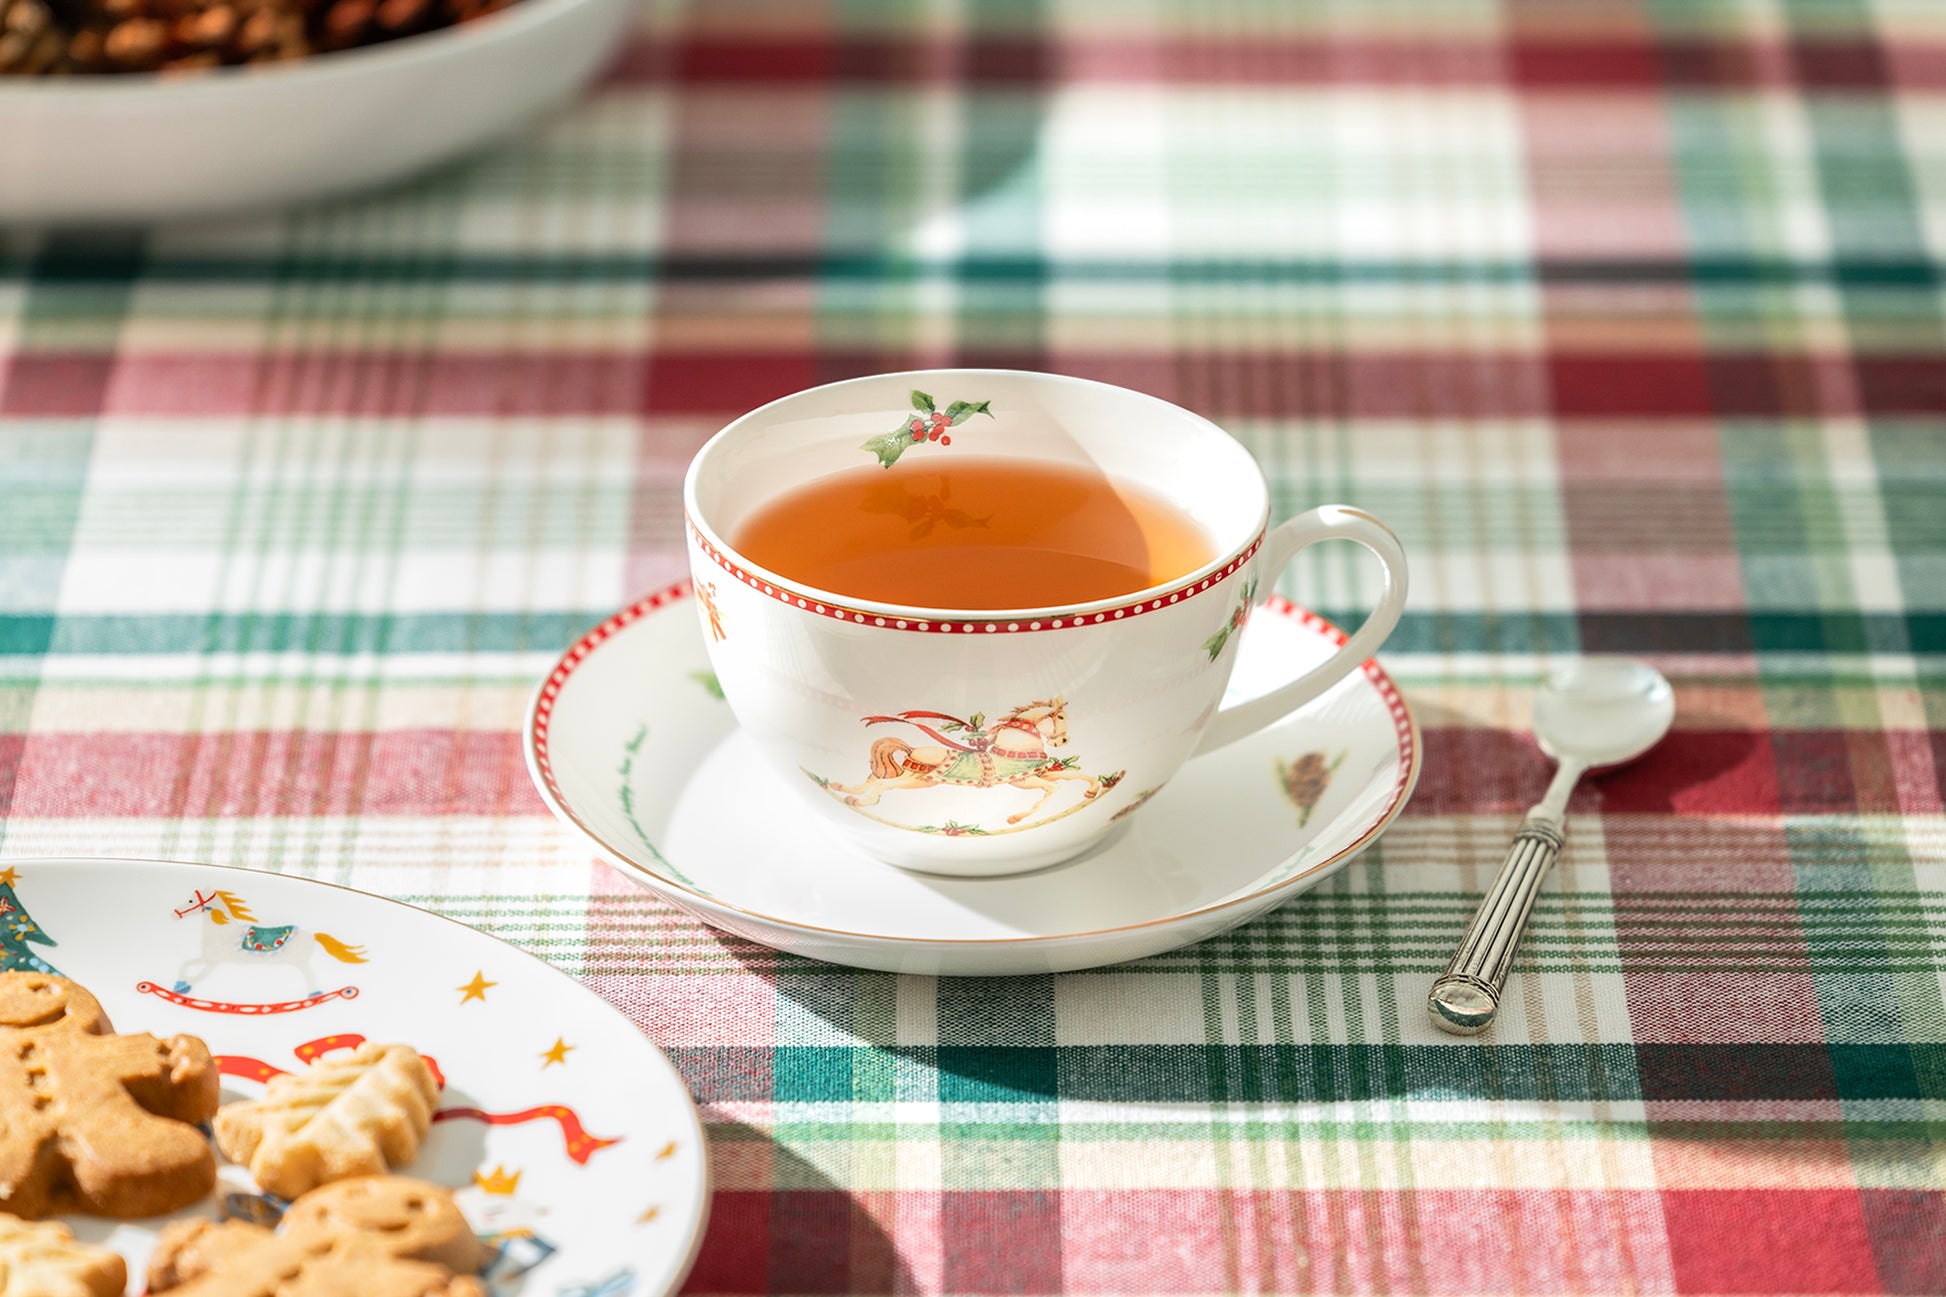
957, 626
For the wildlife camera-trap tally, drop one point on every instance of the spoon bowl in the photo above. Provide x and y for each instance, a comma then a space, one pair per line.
1603, 711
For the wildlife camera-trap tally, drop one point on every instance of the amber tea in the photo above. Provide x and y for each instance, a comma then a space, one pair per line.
974, 534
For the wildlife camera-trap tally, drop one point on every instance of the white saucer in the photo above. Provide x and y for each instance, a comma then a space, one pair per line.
629, 743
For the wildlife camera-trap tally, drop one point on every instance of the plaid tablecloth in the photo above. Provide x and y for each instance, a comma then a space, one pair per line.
1628, 316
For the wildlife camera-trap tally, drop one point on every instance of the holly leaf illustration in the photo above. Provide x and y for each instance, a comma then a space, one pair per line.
1214, 644
977, 720
953, 828
888, 446
960, 411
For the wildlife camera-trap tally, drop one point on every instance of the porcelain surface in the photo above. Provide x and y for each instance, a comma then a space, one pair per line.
994, 742
139, 148
570, 1141
630, 742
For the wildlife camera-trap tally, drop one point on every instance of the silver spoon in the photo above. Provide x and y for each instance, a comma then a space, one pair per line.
1593, 714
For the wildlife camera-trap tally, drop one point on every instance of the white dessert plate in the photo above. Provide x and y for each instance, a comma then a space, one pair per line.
630, 743
569, 1139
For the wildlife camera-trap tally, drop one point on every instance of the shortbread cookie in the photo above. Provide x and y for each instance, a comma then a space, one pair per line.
91, 1121
362, 1113
374, 1236
44, 1260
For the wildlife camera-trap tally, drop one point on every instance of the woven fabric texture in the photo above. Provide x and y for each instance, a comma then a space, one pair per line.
1628, 316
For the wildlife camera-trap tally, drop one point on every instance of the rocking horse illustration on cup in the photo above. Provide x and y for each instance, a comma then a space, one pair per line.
232, 935
1013, 752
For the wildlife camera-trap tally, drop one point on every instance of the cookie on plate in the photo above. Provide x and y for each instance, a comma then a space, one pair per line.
376, 1236
91, 1121
42, 1259
363, 1113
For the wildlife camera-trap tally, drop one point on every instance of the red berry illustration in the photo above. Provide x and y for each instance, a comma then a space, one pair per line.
923, 421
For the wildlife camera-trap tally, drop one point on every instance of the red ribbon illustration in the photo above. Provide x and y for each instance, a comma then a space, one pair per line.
247, 1010
982, 741
255, 1069
580, 1144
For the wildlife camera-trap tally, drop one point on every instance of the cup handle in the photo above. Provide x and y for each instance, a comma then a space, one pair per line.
1327, 522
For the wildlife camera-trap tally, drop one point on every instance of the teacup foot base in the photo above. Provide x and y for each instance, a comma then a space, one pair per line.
940, 865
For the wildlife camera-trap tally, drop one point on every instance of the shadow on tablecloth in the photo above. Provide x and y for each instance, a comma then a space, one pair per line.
778, 1224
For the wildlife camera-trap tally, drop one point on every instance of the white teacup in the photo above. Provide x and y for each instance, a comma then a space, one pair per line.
989, 742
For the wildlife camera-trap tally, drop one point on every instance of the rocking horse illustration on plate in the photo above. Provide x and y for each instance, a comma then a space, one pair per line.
966, 752
232, 935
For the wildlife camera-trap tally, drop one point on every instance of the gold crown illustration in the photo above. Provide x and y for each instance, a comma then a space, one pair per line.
497, 1182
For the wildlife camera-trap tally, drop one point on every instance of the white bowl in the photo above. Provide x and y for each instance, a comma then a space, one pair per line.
146, 148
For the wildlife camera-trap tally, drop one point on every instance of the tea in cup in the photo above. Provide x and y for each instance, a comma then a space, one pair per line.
980, 616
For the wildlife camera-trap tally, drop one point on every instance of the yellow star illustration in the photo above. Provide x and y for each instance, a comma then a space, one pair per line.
475, 989
9, 876
648, 1215
558, 1054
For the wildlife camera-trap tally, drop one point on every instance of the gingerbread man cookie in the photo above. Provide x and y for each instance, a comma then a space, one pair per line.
376, 1236
91, 1121
362, 1114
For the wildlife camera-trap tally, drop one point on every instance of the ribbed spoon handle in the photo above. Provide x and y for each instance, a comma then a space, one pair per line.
1466, 997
